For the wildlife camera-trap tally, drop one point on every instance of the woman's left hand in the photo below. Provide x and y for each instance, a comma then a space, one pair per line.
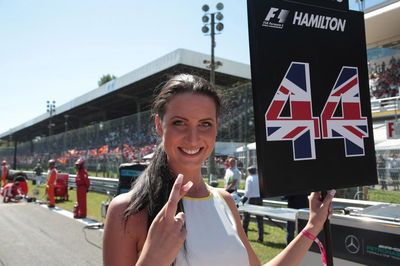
167, 232
320, 210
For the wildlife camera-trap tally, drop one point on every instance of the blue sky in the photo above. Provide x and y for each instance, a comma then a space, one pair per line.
58, 50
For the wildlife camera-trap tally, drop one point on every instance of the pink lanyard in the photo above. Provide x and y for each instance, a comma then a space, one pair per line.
320, 245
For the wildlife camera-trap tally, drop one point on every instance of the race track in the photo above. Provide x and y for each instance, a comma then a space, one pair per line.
31, 234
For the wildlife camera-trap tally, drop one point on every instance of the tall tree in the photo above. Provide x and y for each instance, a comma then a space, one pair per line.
105, 78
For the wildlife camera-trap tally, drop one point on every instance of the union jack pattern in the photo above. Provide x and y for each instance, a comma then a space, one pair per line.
300, 127
351, 126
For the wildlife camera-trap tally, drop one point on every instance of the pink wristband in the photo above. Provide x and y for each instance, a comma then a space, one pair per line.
316, 240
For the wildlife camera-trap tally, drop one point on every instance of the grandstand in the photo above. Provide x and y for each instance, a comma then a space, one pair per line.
129, 94
383, 42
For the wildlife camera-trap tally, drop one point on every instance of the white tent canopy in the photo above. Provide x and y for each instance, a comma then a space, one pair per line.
226, 148
250, 146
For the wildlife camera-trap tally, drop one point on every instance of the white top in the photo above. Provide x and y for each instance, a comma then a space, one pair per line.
212, 237
394, 164
230, 175
252, 188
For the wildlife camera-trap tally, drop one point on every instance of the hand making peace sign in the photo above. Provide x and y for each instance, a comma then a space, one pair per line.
167, 232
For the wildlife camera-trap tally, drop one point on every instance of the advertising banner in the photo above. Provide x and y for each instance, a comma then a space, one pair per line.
311, 97
392, 129
370, 242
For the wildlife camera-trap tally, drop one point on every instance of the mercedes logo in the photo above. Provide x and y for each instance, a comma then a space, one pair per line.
352, 244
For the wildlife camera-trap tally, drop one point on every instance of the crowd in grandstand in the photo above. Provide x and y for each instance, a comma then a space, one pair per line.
103, 146
385, 79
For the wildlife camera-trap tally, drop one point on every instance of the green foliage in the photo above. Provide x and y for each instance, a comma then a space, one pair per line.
105, 78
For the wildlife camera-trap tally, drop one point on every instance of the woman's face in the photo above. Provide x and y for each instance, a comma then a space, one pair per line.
188, 130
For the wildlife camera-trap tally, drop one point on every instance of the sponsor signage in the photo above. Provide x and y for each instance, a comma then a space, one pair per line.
392, 129
311, 97
360, 245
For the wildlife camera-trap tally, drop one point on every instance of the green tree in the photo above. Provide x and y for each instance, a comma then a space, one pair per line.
105, 78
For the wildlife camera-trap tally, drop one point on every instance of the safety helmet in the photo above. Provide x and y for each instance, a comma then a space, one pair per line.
51, 161
4, 162
80, 162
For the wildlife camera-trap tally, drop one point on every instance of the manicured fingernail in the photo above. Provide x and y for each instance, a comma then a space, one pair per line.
179, 179
332, 192
187, 186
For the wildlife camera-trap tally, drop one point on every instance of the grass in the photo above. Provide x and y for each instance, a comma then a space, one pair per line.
93, 199
384, 196
274, 241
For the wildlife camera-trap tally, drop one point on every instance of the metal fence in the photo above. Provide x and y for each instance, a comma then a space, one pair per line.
385, 105
104, 185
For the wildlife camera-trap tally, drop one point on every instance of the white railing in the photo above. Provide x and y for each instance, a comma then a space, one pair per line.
383, 105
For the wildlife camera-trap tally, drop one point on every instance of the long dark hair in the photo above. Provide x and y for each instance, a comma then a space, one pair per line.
152, 188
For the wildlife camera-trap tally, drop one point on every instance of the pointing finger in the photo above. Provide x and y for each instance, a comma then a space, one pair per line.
177, 192
173, 199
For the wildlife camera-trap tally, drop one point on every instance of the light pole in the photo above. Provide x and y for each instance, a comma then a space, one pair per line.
66, 123
361, 4
51, 108
209, 22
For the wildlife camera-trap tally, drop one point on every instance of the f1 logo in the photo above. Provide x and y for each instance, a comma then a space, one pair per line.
273, 12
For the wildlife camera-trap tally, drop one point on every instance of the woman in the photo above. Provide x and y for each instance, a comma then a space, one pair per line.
171, 216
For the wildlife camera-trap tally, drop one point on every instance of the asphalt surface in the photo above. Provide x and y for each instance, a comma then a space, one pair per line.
32, 234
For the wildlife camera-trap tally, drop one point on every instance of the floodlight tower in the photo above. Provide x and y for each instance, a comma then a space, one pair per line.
210, 24
51, 109
361, 4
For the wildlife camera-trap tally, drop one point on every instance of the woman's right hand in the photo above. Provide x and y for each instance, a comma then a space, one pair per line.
167, 232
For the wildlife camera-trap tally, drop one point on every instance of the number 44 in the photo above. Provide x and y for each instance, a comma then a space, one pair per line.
302, 128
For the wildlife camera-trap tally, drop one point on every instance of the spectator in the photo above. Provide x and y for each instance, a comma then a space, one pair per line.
232, 176
252, 195
38, 170
381, 165
295, 202
394, 164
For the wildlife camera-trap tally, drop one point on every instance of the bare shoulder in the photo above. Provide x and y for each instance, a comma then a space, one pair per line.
226, 196
117, 207
116, 211
122, 237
